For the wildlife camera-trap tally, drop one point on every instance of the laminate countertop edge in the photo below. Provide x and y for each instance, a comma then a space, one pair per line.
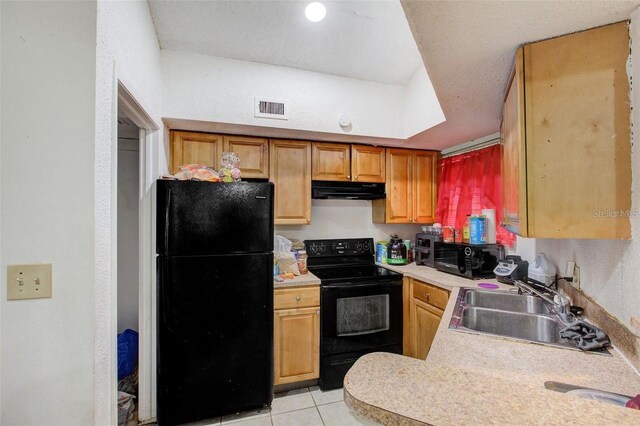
306, 280
377, 414
476, 379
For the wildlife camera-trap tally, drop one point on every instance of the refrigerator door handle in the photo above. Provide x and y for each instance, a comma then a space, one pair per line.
261, 197
167, 222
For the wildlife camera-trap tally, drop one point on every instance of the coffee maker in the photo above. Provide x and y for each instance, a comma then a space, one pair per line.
424, 248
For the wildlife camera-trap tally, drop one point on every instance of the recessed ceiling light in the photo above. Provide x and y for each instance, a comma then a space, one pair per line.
315, 12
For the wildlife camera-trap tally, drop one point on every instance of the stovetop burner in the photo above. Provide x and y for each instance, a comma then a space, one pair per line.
345, 260
351, 273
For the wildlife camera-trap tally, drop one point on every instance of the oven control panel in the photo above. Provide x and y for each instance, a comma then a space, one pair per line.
342, 247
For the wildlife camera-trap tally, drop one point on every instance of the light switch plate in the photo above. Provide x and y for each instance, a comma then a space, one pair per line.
28, 281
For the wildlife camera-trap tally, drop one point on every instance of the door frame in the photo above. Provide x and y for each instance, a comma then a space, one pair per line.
149, 144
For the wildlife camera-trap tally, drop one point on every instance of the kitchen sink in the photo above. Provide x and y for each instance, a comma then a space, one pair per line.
506, 301
508, 314
536, 328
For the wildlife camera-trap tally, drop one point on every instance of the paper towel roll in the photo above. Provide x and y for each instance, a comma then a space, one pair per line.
490, 214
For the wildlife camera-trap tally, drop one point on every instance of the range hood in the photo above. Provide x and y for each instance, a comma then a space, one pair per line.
347, 190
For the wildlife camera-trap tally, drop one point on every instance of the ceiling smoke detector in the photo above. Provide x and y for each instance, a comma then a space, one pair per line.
315, 12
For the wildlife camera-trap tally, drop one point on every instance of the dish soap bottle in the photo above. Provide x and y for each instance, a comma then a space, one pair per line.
396, 251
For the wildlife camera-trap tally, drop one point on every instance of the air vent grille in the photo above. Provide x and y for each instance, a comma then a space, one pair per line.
271, 108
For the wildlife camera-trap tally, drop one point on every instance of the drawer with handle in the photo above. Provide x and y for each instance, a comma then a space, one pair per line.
296, 297
435, 296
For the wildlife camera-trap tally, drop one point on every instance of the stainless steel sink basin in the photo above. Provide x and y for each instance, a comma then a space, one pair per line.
532, 327
506, 301
508, 314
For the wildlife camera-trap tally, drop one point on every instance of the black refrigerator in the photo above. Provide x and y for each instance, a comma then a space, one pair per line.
215, 299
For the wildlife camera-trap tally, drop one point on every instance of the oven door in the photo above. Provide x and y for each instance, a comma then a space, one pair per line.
360, 316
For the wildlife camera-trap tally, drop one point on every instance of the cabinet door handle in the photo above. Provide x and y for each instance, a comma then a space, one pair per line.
298, 298
426, 296
348, 176
318, 312
356, 177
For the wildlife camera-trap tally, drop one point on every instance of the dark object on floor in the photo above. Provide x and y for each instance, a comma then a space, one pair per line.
129, 384
127, 353
587, 336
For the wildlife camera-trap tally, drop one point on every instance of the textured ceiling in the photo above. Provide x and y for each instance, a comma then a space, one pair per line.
367, 40
468, 48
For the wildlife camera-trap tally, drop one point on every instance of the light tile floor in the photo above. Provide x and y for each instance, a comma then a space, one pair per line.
299, 407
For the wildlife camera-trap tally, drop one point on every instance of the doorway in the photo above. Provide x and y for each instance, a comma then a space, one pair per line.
137, 152
128, 270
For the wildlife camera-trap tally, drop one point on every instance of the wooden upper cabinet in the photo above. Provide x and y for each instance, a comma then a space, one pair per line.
425, 167
331, 161
344, 162
195, 148
253, 154
368, 163
411, 185
567, 159
399, 200
290, 171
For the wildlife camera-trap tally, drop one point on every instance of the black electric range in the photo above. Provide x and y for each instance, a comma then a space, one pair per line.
360, 305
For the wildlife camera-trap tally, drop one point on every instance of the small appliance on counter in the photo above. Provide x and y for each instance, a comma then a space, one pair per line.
467, 260
542, 270
424, 248
510, 269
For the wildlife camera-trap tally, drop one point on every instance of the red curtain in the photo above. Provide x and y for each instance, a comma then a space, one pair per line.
469, 183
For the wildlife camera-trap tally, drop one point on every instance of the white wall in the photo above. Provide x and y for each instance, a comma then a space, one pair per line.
128, 254
420, 110
126, 31
48, 99
609, 269
127, 51
345, 219
209, 88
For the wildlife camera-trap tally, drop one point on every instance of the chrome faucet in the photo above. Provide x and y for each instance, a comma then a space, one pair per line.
561, 307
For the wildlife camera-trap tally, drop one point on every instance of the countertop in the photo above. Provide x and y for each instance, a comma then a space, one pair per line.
441, 279
298, 281
475, 379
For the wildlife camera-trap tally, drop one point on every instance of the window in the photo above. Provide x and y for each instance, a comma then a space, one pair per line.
469, 183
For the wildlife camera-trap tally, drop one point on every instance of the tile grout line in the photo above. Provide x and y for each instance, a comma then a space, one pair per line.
321, 419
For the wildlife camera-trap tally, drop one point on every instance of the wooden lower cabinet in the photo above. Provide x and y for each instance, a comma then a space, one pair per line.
425, 321
296, 340
423, 309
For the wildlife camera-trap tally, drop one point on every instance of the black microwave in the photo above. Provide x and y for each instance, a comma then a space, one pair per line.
467, 260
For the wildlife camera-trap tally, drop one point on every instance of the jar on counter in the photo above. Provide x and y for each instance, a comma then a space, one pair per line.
381, 251
302, 262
